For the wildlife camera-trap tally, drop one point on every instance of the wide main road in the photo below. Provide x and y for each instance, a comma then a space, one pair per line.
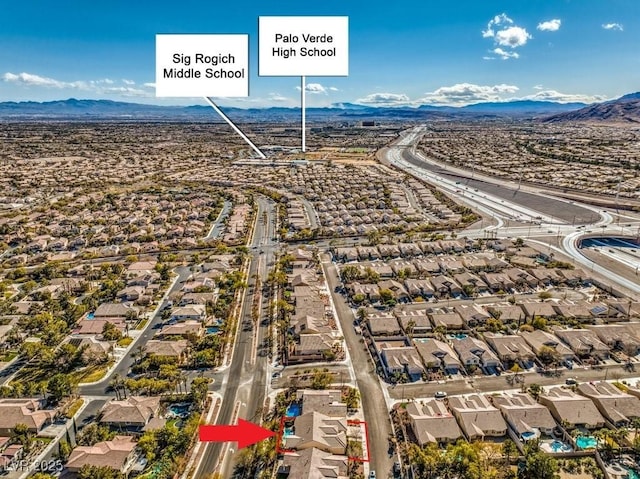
244, 384
497, 195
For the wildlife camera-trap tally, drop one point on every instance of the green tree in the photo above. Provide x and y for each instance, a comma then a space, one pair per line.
98, 472
199, 389
21, 434
536, 390
538, 465
59, 386
110, 332
509, 450
321, 380
93, 434
352, 398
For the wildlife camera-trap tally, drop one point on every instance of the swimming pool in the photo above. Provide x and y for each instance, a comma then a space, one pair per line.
293, 410
90, 316
558, 446
288, 431
213, 329
586, 442
527, 435
180, 410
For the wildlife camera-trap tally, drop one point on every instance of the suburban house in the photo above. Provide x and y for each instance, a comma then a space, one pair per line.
472, 314
168, 349
431, 421
618, 337
473, 352
572, 409
189, 327
118, 454
133, 414
114, 310
511, 348
24, 411
449, 320
327, 401
617, 406
477, 417
314, 463
384, 326
583, 342
525, 416
414, 322
196, 312
539, 339
403, 359
316, 430
437, 354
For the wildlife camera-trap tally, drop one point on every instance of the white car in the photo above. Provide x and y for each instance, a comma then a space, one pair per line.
440, 395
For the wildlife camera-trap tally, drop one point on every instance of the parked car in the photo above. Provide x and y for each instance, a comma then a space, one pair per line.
440, 395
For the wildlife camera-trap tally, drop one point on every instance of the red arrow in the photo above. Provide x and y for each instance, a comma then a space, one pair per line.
244, 433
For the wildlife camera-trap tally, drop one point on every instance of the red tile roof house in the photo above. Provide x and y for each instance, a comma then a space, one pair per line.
118, 454
24, 411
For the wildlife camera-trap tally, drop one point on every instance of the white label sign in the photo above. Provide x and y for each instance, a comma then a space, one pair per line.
304, 46
202, 65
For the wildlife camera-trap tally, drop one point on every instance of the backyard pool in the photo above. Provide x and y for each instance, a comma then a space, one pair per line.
293, 410
213, 329
288, 431
180, 410
528, 435
586, 442
558, 446
89, 315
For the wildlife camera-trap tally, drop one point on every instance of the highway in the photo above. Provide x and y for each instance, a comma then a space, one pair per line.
244, 381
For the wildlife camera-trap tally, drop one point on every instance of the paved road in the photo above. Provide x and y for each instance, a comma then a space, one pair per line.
500, 383
516, 196
373, 403
218, 224
245, 381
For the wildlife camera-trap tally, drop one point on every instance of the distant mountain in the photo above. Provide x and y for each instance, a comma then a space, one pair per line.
524, 106
94, 110
625, 109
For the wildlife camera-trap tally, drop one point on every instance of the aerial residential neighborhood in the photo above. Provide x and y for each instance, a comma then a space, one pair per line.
320, 241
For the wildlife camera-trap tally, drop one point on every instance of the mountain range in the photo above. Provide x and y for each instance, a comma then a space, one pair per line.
626, 107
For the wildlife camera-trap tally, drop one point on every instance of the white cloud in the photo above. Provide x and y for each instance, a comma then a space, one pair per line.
332, 88
538, 87
613, 26
385, 99
29, 79
498, 20
467, 93
104, 86
505, 33
128, 82
512, 37
550, 25
504, 54
553, 95
316, 88
277, 97
149, 85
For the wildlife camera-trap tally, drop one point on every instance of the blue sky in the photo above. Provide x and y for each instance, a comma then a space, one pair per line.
401, 53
